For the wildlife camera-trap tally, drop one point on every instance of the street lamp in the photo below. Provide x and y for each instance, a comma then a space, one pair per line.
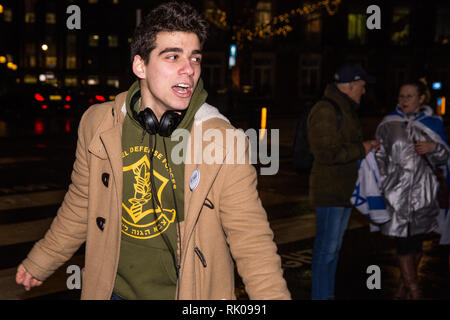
44, 47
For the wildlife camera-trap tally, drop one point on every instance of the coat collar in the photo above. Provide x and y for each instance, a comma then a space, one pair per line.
106, 144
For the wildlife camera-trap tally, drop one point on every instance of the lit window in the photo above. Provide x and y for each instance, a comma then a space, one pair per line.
400, 26
50, 62
113, 41
70, 81
442, 34
94, 40
30, 54
50, 18
356, 28
114, 82
30, 17
8, 15
263, 12
71, 62
313, 27
29, 78
93, 80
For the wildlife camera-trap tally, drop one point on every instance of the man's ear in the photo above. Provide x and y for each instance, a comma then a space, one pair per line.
139, 67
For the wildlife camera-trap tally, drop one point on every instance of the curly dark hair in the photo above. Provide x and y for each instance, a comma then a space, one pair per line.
170, 17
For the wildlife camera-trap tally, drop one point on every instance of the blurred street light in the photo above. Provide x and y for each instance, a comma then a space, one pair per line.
44, 47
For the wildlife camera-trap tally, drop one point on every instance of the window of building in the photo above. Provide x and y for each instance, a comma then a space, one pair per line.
30, 17
94, 40
93, 80
442, 34
309, 74
71, 62
51, 61
263, 12
7, 15
70, 81
113, 81
30, 55
50, 18
113, 41
313, 27
400, 26
30, 78
213, 71
262, 73
356, 28
71, 51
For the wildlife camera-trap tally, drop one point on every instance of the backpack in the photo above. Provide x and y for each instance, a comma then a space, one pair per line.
302, 157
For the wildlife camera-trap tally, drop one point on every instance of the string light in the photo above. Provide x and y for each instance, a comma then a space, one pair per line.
279, 25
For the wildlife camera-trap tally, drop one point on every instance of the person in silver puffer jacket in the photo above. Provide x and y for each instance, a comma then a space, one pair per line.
407, 135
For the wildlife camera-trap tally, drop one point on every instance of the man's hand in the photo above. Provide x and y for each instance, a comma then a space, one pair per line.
423, 147
26, 279
370, 145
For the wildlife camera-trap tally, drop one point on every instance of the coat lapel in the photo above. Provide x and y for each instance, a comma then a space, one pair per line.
112, 140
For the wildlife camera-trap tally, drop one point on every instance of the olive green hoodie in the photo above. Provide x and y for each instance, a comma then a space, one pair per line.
149, 222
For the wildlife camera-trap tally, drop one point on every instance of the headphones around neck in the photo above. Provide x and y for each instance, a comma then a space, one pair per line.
149, 122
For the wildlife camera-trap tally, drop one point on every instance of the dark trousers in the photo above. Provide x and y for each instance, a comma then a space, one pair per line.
410, 245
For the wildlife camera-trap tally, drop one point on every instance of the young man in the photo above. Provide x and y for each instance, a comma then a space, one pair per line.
156, 228
336, 149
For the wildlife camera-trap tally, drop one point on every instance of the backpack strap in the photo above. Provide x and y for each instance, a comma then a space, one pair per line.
337, 108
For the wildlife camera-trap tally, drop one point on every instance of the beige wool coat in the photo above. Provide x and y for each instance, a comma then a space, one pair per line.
234, 229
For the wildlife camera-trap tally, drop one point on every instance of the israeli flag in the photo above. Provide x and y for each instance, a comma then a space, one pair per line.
367, 197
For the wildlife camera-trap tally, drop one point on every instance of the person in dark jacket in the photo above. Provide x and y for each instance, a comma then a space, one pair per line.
336, 152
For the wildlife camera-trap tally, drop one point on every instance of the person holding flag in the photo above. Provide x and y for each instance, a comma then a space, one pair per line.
412, 145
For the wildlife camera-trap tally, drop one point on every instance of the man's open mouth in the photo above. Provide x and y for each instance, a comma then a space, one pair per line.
182, 88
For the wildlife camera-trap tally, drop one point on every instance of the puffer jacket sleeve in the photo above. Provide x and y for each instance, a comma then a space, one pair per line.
249, 235
325, 142
439, 156
69, 228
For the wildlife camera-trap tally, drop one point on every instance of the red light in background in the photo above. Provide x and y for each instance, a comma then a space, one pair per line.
39, 126
67, 126
91, 101
68, 98
38, 97
44, 106
66, 106
100, 98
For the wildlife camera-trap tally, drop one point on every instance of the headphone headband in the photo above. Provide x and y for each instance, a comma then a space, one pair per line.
149, 122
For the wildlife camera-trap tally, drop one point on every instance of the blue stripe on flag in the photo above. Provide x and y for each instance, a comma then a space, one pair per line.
376, 203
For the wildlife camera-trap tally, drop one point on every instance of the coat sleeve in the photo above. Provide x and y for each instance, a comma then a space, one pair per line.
249, 235
325, 142
69, 228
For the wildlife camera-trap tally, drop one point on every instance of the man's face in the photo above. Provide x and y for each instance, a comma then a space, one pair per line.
356, 90
171, 75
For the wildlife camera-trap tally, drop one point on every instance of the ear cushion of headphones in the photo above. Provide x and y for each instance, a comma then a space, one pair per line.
169, 121
148, 121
